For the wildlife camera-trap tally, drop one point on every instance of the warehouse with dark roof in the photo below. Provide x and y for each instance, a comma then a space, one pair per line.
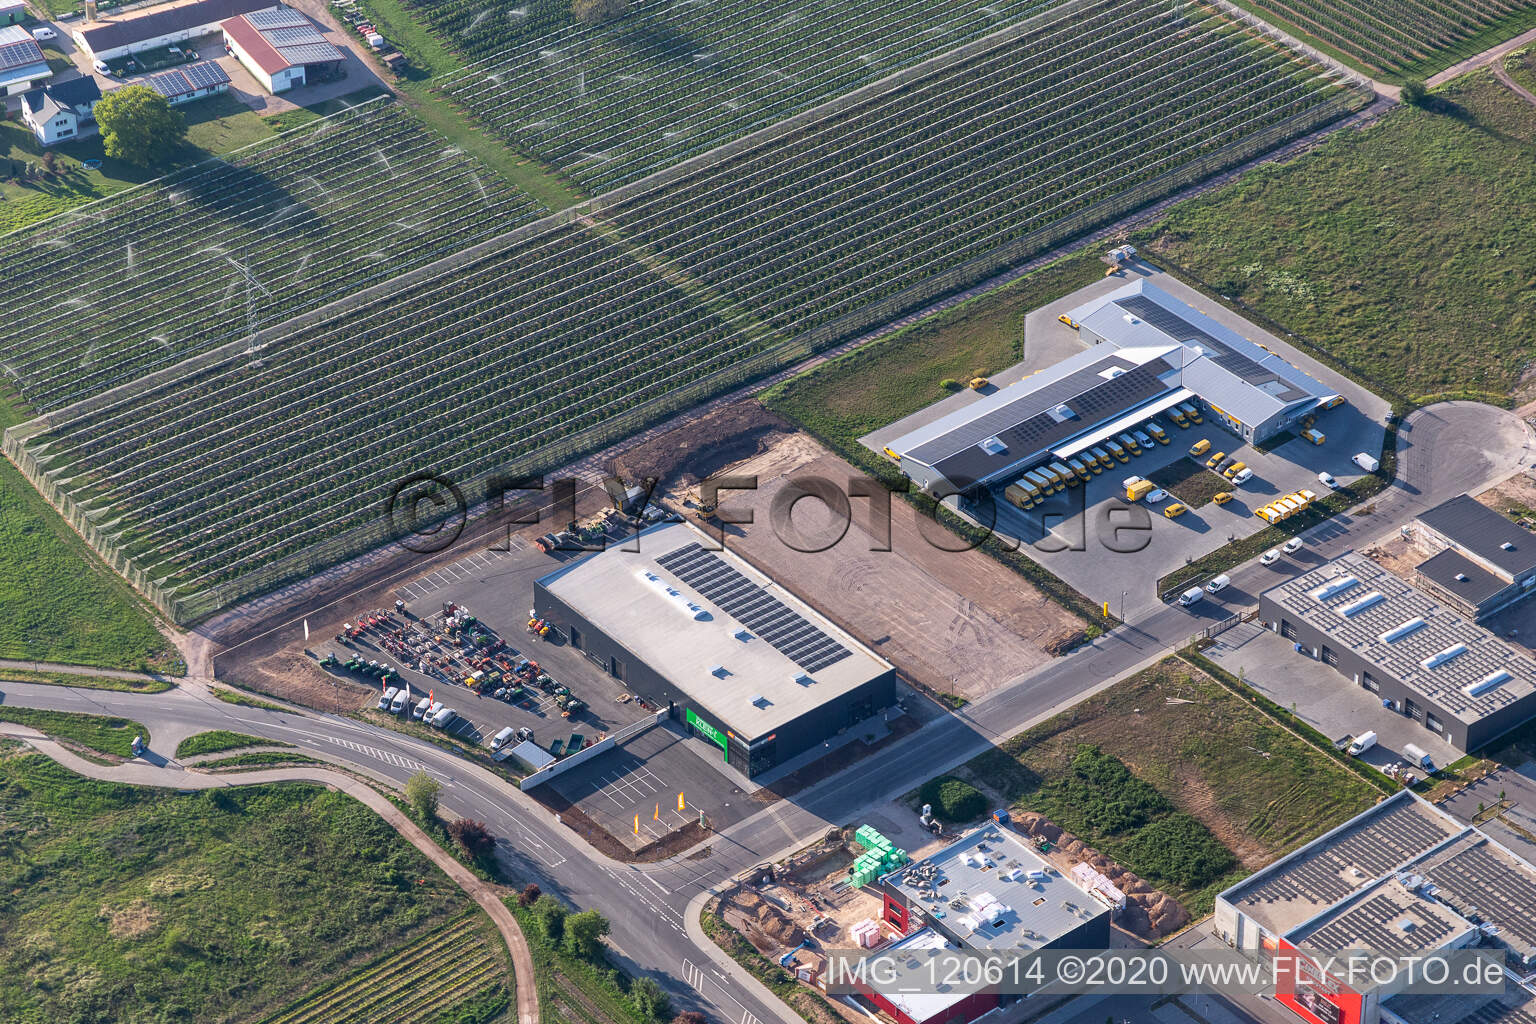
1479, 561
1420, 655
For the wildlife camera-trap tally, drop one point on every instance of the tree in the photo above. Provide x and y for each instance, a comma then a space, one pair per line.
595, 12
421, 792
551, 915
139, 126
649, 999
1415, 92
689, 1017
582, 932
473, 836
529, 896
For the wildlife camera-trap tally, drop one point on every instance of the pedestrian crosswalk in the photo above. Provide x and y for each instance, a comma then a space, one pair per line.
388, 757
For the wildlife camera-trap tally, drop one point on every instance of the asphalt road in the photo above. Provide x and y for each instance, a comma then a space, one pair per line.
1444, 450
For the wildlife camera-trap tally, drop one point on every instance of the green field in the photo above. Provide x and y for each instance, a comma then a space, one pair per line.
97, 732
1201, 751
1403, 250
58, 602
458, 973
220, 740
132, 904
877, 384
1521, 66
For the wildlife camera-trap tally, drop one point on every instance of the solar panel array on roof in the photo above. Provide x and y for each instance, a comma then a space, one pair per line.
277, 17
19, 54
169, 84
291, 35
1477, 881
1180, 329
205, 74
1376, 923
785, 630
317, 52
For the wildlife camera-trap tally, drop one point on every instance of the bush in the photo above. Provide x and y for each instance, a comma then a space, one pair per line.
1100, 795
583, 932
1180, 849
473, 836
1415, 92
551, 915
953, 799
650, 1000
949, 384
529, 896
421, 792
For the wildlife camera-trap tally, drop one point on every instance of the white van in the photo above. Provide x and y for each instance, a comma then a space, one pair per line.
1417, 756
443, 717
1366, 461
388, 699
431, 712
1365, 741
1191, 596
420, 711
1218, 584
502, 738
401, 702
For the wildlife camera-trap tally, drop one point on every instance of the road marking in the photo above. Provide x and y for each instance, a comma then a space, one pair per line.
387, 757
544, 849
693, 975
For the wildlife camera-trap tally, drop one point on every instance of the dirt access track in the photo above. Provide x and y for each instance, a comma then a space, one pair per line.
954, 621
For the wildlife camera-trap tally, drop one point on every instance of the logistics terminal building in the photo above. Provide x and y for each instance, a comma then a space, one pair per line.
745, 664
1149, 352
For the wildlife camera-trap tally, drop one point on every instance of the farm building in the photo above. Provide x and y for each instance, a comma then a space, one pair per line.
189, 82
158, 27
1402, 878
1150, 352
1013, 900
22, 65
282, 48
12, 12
1421, 657
1479, 561
744, 664
60, 111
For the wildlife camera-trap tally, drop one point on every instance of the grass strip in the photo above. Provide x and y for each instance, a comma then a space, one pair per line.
85, 682
217, 740
101, 733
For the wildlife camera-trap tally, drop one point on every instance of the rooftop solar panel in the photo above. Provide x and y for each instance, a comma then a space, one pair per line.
205, 74
169, 84
1180, 329
785, 630
19, 54
278, 17
310, 53
292, 35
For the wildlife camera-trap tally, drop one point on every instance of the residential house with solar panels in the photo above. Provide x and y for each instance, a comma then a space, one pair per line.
740, 661
22, 65
1149, 352
1256, 393
282, 48
1479, 561
1403, 878
1419, 655
189, 82
61, 111
156, 27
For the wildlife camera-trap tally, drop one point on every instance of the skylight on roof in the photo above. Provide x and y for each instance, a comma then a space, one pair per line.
993, 446
1360, 604
1488, 682
1396, 633
1334, 587
1441, 657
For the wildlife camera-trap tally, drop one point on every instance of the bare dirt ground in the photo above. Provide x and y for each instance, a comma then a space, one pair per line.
954, 621
1396, 555
1516, 495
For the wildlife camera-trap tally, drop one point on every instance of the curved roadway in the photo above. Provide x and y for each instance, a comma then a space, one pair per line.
1443, 451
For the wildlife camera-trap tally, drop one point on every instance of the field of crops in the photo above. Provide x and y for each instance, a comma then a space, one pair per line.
248, 468
608, 105
1403, 37
229, 467
416, 983
142, 280
976, 165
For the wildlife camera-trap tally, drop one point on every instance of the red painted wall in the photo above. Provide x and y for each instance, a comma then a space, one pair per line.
963, 1012
1313, 996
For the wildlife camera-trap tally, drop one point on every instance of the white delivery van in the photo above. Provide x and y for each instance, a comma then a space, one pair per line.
1365, 741
432, 710
1191, 596
401, 702
1218, 584
443, 717
502, 738
421, 708
389, 698
1416, 756
1366, 461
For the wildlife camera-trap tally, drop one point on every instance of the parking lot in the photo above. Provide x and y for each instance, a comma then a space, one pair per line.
1320, 695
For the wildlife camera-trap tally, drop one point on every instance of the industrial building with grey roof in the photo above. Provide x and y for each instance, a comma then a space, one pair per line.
1478, 560
1401, 878
1419, 655
1149, 351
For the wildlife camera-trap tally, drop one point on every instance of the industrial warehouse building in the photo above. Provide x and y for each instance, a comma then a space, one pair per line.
1402, 878
743, 663
158, 27
1479, 561
282, 48
1149, 352
1421, 657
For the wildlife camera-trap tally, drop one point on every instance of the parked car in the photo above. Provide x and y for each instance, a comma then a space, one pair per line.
43, 33
1175, 510
1270, 557
1199, 448
1242, 476
1191, 596
1156, 496
1292, 546
1218, 584
1222, 497
1327, 480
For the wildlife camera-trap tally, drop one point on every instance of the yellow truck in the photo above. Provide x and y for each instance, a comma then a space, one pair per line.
1067, 476
1129, 444
1023, 494
1314, 435
1077, 467
1045, 481
1190, 410
1178, 416
1158, 433
1117, 451
1138, 489
1103, 457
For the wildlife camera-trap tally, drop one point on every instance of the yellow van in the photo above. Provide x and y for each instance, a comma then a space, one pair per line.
1044, 481
1222, 497
1103, 457
1192, 411
1023, 494
1117, 451
1315, 436
1067, 476
1177, 417
1158, 433
1334, 402
1175, 510
1199, 448
1234, 469
1215, 460
1077, 467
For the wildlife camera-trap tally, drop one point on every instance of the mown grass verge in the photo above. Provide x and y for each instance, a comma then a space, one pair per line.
243, 700
101, 733
217, 740
85, 682
264, 759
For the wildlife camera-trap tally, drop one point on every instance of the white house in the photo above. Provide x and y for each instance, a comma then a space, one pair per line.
158, 27
282, 48
22, 65
188, 82
61, 111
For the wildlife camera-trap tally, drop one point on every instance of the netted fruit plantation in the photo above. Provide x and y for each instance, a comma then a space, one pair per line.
1403, 37
148, 277
609, 104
